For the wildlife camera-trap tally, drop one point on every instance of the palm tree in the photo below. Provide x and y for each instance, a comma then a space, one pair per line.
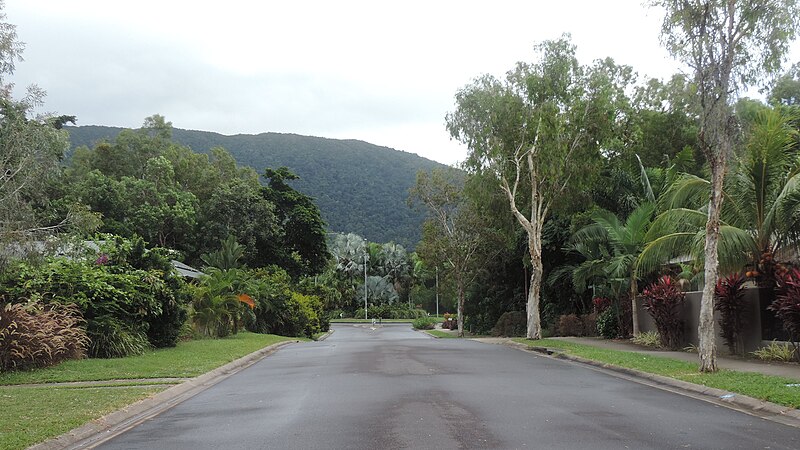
228, 255
395, 265
760, 218
625, 241
348, 251
380, 291
217, 308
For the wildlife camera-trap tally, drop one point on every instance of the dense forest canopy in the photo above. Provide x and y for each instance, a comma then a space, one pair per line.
359, 187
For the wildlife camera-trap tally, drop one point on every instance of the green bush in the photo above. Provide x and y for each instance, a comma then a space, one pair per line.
607, 324
300, 316
389, 311
125, 289
38, 336
111, 338
424, 323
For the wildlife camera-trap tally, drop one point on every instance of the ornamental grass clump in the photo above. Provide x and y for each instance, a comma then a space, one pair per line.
32, 335
663, 300
729, 301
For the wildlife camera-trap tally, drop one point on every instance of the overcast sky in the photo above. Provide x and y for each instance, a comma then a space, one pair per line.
379, 71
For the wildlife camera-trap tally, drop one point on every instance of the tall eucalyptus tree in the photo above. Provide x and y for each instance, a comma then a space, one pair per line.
728, 44
541, 133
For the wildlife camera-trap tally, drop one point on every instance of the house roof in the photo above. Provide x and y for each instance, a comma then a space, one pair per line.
186, 271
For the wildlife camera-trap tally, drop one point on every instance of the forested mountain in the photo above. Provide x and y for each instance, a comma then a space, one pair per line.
359, 187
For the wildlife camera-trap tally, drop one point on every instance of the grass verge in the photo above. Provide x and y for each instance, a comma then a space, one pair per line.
33, 414
442, 334
764, 387
188, 359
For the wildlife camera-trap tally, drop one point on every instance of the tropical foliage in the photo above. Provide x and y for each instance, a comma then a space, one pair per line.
664, 300
760, 215
729, 301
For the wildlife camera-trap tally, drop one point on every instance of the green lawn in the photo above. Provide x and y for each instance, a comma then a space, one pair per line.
442, 334
188, 359
764, 387
33, 414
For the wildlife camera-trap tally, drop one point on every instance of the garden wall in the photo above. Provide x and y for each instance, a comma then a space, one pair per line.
754, 333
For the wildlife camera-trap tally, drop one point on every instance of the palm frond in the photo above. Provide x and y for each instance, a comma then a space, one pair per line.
620, 266
676, 220
734, 248
783, 218
638, 223
592, 233
687, 191
661, 250
648, 189
587, 271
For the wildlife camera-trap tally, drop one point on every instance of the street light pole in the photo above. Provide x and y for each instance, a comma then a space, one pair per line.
437, 291
365, 279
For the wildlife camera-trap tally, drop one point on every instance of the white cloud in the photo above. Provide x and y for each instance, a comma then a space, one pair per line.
385, 72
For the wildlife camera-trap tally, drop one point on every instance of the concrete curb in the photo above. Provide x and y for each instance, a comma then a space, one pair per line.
326, 335
760, 408
100, 430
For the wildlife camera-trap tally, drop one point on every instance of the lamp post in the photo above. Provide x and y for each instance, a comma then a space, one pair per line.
365, 279
437, 291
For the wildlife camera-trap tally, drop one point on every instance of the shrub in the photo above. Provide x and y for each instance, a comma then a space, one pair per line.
512, 323
390, 311
729, 301
280, 308
569, 325
787, 303
664, 301
775, 352
405, 312
424, 323
648, 339
38, 336
589, 324
111, 338
600, 304
136, 287
450, 322
299, 316
607, 324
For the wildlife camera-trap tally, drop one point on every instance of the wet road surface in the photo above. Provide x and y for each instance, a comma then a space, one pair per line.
393, 387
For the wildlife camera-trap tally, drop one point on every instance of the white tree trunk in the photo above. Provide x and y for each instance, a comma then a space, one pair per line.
460, 308
634, 306
707, 349
534, 293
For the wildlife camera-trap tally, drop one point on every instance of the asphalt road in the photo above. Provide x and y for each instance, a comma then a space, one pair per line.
396, 388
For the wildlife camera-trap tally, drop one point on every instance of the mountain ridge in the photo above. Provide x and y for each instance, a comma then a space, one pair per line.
359, 187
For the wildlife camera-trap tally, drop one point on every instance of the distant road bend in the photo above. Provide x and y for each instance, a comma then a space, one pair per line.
393, 387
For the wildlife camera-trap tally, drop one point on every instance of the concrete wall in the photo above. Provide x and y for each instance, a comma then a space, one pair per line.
752, 333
